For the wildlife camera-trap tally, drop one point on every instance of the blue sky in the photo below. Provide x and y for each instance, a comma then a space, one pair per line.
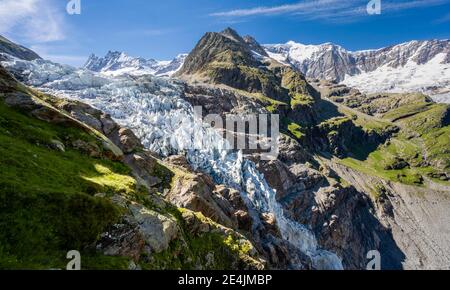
163, 29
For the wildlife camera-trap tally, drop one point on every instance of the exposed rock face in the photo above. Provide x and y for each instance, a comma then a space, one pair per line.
342, 218
254, 45
144, 166
45, 112
238, 67
143, 232
415, 66
157, 230
197, 192
298, 186
122, 239
372, 104
416, 217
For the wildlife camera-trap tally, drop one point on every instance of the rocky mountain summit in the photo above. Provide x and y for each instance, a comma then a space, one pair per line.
355, 172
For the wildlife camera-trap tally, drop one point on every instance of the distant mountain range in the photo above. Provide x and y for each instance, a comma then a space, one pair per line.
115, 63
412, 66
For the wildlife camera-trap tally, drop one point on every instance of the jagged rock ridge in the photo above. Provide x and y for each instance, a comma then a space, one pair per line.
115, 63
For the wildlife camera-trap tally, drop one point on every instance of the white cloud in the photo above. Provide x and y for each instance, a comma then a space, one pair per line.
31, 20
282, 9
330, 10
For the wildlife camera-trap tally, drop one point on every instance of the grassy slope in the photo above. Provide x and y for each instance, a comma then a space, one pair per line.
422, 137
48, 204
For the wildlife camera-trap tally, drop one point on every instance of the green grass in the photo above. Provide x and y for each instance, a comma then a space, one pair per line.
378, 160
333, 123
25, 155
47, 203
365, 121
430, 130
295, 130
370, 167
422, 135
300, 100
424, 122
405, 111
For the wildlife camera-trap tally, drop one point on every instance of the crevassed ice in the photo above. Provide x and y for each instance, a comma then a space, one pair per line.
153, 108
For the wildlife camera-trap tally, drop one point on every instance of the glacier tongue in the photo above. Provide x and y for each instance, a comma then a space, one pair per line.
153, 108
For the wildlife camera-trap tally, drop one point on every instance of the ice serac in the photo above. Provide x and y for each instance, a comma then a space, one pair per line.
116, 63
412, 66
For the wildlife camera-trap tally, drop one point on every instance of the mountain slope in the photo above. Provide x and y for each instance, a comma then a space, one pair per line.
354, 172
8, 47
345, 134
413, 66
65, 186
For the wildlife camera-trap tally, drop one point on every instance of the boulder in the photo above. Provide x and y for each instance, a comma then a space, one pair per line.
57, 145
126, 140
157, 230
196, 192
143, 167
122, 239
88, 148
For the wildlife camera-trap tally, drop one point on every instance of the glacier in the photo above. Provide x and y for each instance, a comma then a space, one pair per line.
166, 124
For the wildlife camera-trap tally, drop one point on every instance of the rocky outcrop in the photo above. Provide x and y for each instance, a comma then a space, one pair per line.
143, 234
197, 192
43, 111
178, 217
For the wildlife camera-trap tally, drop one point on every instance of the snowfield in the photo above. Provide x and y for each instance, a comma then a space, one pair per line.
432, 78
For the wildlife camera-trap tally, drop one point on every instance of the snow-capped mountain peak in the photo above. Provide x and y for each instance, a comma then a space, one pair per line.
117, 63
411, 66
